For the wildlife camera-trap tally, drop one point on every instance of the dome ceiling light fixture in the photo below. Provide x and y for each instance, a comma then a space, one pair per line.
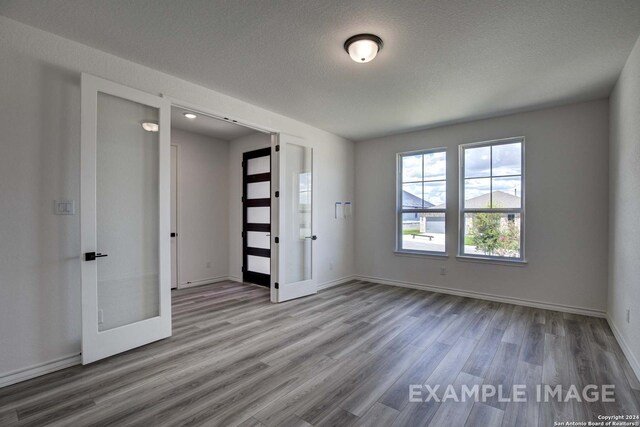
363, 47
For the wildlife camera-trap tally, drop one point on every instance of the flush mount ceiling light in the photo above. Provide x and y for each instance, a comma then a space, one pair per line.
363, 47
150, 126
190, 116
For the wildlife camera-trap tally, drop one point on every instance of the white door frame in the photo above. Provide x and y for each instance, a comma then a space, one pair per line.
275, 184
178, 218
95, 344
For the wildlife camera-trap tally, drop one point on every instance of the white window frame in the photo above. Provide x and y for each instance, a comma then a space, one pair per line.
520, 211
400, 211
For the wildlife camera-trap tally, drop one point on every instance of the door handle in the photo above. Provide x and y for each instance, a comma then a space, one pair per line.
314, 237
174, 234
91, 256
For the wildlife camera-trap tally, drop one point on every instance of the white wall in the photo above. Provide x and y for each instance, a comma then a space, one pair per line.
624, 208
203, 191
39, 158
566, 208
237, 147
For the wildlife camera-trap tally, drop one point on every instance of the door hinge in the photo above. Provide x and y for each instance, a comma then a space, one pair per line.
242, 268
276, 285
242, 163
277, 147
242, 198
277, 240
242, 233
277, 194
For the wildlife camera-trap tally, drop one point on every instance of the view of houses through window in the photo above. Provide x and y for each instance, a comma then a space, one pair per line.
492, 212
491, 200
423, 189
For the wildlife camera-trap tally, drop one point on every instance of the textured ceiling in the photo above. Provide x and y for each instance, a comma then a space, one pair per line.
443, 61
207, 126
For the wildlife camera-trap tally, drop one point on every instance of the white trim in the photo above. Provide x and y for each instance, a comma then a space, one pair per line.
40, 369
178, 217
489, 297
336, 282
209, 281
633, 361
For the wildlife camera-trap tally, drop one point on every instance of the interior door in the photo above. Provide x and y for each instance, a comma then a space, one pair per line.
296, 213
256, 235
125, 211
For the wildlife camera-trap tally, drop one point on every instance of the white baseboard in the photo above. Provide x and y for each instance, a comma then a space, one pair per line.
633, 360
206, 282
489, 297
336, 282
38, 370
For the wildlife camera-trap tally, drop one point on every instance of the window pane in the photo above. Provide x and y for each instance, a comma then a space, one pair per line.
435, 166
477, 162
477, 193
507, 159
423, 232
411, 168
435, 194
259, 190
492, 234
259, 165
507, 192
412, 196
259, 215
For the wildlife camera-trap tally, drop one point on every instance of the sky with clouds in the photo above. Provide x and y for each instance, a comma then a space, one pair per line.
486, 168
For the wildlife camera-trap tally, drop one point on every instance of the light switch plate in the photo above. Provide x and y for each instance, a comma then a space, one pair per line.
64, 207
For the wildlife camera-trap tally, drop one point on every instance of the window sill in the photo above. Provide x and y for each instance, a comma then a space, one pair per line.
486, 260
420, 254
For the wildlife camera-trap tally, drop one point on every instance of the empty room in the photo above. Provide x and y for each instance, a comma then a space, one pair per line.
320, 213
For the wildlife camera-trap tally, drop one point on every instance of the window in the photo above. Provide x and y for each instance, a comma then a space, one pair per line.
422, 196
492, 199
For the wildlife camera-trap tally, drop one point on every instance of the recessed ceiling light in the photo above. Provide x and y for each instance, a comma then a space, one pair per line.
190, 116
363, 47
150, 126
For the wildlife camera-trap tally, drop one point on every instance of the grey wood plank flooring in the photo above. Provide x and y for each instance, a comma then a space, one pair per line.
346, 356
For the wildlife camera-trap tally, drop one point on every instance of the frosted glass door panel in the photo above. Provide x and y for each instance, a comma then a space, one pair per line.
297, 213
259, 264
258, 239
259, 215
127, 212
259, 190
259, 165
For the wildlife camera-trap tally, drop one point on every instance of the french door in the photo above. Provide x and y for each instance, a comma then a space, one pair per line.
294, 222
256, 209
125, 211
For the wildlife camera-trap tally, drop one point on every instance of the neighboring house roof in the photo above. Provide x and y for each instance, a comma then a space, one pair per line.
500, 200
412, 201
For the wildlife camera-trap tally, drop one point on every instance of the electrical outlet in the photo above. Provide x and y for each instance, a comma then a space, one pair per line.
100, 317
628, 315
443, 271
209, 264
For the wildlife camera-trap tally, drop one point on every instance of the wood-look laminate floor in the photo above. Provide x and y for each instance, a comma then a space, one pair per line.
343, 357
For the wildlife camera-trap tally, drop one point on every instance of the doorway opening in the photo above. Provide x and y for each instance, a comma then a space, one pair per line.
221, 211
